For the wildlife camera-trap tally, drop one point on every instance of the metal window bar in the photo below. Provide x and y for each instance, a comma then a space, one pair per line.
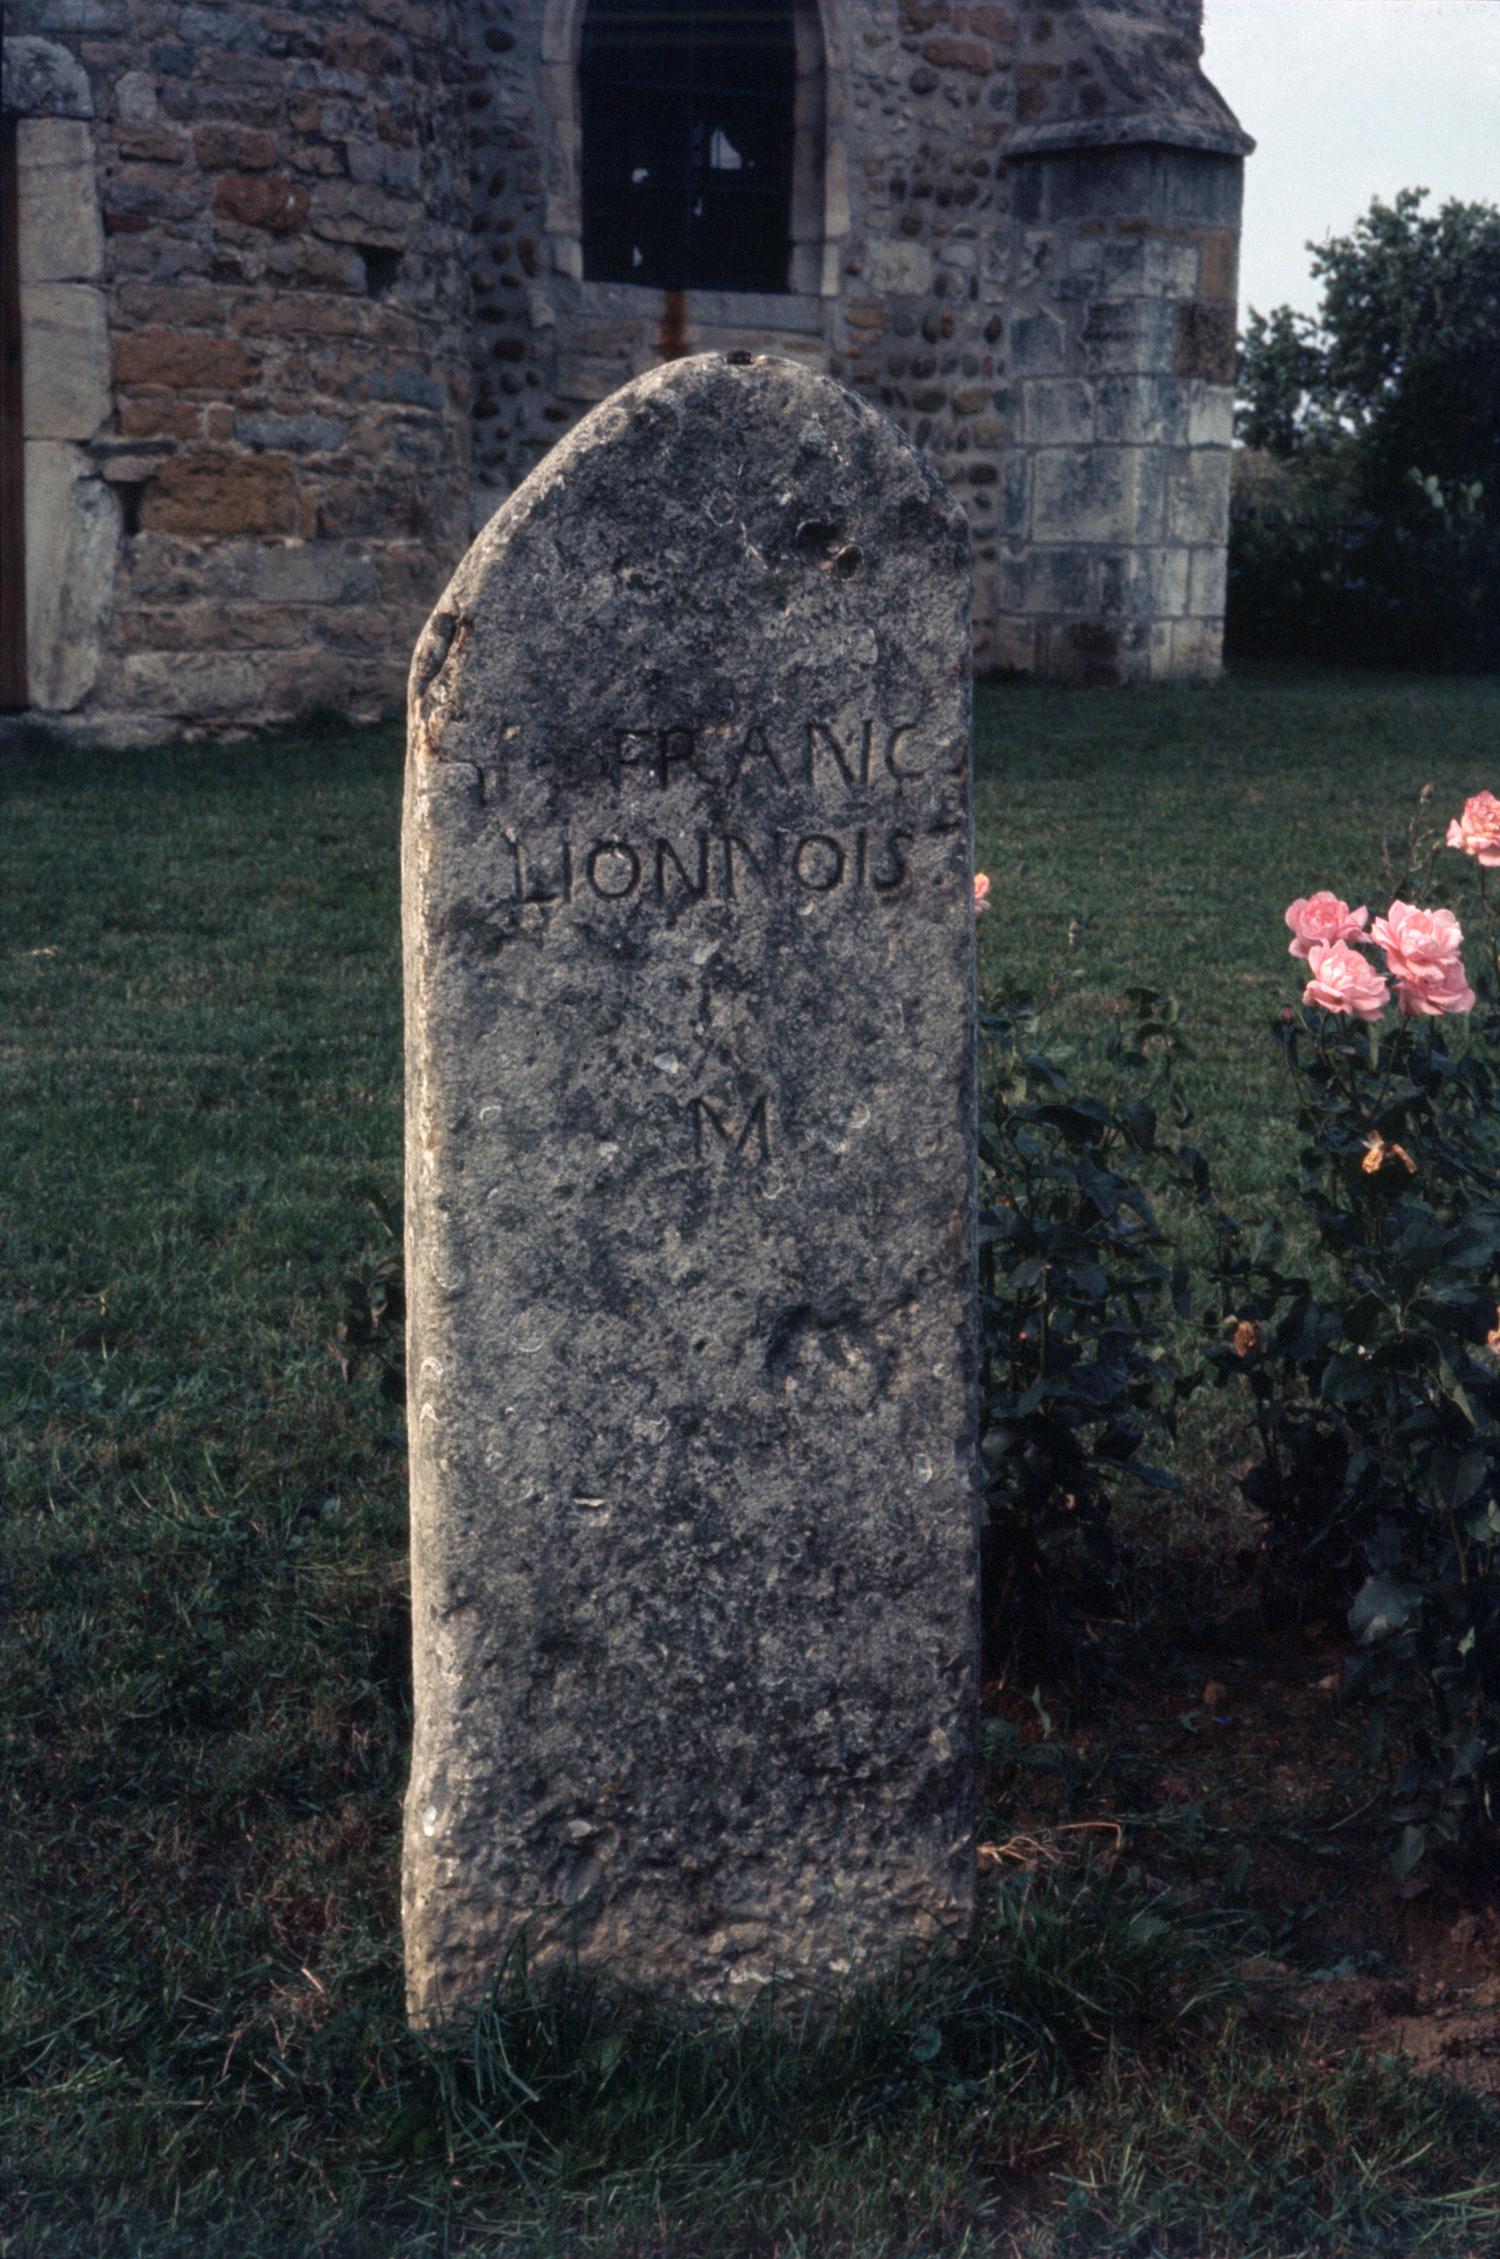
658, 84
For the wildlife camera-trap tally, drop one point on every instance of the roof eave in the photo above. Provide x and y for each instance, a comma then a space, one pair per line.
1148, 128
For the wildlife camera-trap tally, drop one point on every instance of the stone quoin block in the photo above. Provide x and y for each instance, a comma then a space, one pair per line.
1204, 341
1097, 494
1155, 583
688, 940
65, 376
1015, 496
1131, 336
72, 540
1038, 344
1057, 412
1198, 496
1047, 580
60, 238
1218, 270
40, 79
1149, 265
1211, 414
1197, 650
1143, 411
1208, 580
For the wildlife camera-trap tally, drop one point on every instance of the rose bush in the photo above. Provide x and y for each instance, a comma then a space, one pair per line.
1078, 1294
1374, 1374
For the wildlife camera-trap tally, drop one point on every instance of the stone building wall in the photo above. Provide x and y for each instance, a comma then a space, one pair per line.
1116, 480
245, 310
305, 298
1022, 247
548, 344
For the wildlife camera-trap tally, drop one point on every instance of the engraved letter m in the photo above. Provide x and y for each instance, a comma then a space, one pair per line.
756, 1126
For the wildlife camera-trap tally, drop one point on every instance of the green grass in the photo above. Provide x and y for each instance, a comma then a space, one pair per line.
202, 1587
1170, 830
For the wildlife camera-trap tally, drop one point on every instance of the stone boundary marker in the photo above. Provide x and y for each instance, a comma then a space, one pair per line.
688, 926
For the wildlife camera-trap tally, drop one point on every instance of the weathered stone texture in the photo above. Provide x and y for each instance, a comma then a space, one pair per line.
40, 79
65, 378
72, 536
689, 952
1129, 365
71, 522
61, 239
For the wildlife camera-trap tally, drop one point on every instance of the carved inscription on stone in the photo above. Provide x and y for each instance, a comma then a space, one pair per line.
688, 938
711, 866
711, 1131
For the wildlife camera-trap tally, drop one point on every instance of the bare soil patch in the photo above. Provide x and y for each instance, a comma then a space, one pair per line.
1223, 1768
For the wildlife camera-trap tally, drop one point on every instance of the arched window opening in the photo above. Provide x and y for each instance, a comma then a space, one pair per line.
688, 116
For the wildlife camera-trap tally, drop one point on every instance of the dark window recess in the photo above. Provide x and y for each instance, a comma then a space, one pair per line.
382, 266
129, 493
688, 114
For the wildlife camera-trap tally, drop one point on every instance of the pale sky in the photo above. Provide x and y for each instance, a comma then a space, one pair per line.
1349, 100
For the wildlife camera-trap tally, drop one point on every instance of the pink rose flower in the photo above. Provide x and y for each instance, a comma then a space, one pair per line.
981, 891
1421, 952
1477, 831
1419, 945
1343, 981
1431, 998
1323, 917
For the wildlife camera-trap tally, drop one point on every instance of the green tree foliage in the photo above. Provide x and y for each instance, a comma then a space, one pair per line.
1401, 367
1280, 372
1366, 518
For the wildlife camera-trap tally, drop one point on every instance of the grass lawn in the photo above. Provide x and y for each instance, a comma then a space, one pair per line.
1169, 832
203, 1695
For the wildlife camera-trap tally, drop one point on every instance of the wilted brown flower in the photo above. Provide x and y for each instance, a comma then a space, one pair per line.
1377, 1153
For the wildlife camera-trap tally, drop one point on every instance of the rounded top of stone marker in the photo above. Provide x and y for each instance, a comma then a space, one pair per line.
719, 519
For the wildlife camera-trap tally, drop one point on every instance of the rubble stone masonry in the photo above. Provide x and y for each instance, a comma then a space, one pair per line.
309, 298
278, 443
